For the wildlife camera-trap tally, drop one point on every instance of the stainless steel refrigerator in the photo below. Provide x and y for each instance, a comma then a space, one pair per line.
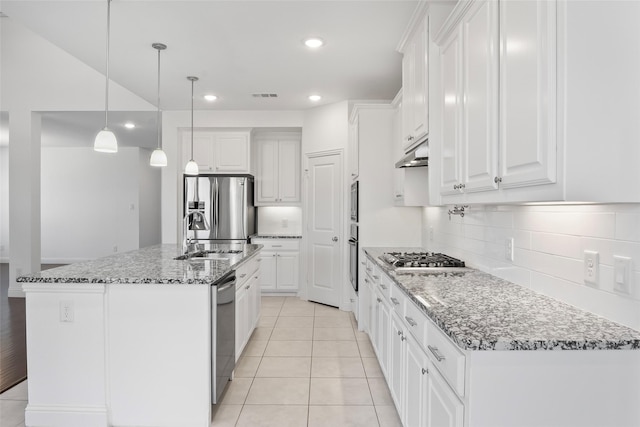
226, 205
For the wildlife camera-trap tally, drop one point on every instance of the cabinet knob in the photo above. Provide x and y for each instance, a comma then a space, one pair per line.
462, 186
335, 238
379, 300
497, 179
399, 332
425, 371
455, 186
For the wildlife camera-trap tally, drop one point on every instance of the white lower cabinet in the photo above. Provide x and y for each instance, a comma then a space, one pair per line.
416, 384
280, 267
444, 409
247, 302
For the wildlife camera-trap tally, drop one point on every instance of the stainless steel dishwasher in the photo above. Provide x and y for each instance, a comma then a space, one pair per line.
223, 330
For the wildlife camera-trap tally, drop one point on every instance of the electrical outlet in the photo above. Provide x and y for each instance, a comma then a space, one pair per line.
622, 274
591, 267
431, 234
508, 249
66, 311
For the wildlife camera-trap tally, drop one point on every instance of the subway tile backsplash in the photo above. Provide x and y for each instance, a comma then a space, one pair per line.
549, 242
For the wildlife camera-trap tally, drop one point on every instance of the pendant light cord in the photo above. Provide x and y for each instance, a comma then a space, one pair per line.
159, 127
106, 96
192, 80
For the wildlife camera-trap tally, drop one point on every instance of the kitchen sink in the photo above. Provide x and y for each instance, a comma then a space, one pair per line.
209, 254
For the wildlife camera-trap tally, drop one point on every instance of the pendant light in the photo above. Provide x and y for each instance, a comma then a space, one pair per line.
158, 157
106, 141
192, 166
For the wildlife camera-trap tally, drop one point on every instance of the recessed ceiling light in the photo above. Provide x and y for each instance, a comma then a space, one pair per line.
210, 98
315, 98
129, 125
314, 42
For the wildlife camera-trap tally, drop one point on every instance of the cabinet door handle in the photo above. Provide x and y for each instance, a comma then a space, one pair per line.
411, 321
243, 275
366, 280
395, 301
434, 350
399, 332
379, 300
247, 287
497, 179
425, 371
383, 286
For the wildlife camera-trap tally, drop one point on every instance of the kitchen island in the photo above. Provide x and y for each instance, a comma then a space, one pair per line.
125, 340
465, 348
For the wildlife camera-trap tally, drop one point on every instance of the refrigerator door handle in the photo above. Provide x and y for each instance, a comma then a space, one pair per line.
243, 205
216, 207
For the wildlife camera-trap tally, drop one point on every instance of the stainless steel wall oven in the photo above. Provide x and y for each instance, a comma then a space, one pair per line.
353, 256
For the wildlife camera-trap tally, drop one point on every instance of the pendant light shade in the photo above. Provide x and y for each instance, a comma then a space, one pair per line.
158, 157
192, 167
106, 141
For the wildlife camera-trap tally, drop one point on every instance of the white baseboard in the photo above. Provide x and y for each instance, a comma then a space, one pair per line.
65, 416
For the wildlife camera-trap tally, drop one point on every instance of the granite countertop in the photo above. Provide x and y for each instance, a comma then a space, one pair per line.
154, 264
276, 236
479, 311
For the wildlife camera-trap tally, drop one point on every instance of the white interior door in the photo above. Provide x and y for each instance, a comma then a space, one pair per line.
324, 214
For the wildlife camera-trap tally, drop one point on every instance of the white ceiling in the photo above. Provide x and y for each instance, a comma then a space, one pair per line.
236, 47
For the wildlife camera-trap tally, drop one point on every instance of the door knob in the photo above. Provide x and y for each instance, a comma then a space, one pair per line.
335, 238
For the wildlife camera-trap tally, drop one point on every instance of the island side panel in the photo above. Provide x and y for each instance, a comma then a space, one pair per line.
65, 356
159, 358
554, 388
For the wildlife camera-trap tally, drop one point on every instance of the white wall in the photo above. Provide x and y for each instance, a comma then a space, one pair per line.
89, 203
4, 203
149, 191
280, 220
549, 244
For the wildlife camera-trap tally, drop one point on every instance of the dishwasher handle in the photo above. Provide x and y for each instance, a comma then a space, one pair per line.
226, 282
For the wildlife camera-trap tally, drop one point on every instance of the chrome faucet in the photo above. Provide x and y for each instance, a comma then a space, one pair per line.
187, 244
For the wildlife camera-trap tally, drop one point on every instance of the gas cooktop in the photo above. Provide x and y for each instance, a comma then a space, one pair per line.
404, 261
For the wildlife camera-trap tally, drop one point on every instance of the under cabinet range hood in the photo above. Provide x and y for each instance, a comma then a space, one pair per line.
417, 157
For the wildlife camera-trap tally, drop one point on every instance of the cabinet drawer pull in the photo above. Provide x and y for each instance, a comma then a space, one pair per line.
411, 321
276, 246
425, 371
395, 301
366, 280
383, 286
369, 270
436, 353
379, 300
363, 263
243, 275
247, 287
376, 277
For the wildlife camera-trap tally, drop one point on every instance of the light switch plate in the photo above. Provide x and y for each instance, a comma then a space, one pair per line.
622, 274
591, 267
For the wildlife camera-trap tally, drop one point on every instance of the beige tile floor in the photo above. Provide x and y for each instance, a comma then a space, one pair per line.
305, 365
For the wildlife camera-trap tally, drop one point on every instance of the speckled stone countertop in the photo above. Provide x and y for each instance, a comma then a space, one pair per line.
275, 236
154, 264
483, 312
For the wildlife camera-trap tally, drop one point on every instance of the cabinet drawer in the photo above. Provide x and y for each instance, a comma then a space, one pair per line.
398, 299
246, 270
385, 284
417, 322
446, 357
278, 245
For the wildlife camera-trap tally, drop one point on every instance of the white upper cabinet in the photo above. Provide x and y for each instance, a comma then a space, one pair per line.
217, 152
278, 169
415, 108
521, 114
527, 93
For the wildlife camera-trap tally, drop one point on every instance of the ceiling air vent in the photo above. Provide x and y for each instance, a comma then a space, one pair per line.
264, 95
